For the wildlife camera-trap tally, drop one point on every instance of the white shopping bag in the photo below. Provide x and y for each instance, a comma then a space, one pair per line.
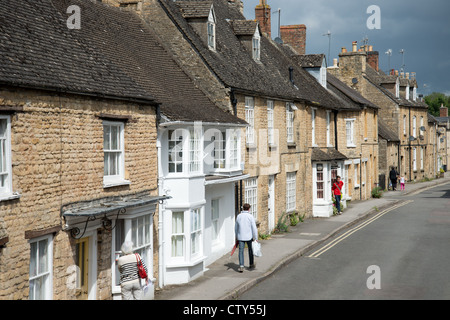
256, 247
148, 292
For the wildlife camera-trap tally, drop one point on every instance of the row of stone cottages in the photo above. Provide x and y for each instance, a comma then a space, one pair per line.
154, 125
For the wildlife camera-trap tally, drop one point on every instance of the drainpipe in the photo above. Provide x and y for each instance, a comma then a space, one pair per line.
335, 129
233, 101
161, 207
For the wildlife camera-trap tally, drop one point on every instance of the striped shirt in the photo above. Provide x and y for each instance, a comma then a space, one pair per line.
128, 267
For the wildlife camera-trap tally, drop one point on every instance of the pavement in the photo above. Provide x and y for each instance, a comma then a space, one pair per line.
222, 281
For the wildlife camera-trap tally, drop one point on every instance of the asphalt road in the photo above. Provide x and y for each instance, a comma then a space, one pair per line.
399, 253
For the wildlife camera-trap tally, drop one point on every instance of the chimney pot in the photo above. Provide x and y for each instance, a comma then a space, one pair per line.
354, 46
407, 75
343, 50
335, 62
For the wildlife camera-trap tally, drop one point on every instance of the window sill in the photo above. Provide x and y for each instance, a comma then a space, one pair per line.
351, 146
117, 183
190, 263
291, 145
9, 196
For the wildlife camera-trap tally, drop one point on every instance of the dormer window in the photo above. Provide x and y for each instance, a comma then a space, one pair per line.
211, 25
256, 46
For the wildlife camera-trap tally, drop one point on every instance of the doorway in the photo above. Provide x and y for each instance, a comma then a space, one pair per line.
82, 263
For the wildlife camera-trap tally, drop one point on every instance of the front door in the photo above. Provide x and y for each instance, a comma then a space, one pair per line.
271, 204
82, 261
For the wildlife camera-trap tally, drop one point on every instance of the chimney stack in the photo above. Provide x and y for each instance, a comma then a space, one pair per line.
443, 111
238, 4
372, 58
263, 16
295, 36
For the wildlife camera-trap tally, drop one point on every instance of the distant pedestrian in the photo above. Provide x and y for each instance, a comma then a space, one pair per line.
393, 178
246, 232
130, 283
402, 182
337, 192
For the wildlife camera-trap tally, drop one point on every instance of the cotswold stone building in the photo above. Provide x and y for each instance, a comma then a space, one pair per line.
78, 150
245, 72
401, 110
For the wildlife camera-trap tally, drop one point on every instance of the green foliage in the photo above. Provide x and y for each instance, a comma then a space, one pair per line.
282, 224
264, 236
435, 100
377, 192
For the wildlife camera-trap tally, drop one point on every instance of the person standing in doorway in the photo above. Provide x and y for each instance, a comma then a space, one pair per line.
246, 232
337, 191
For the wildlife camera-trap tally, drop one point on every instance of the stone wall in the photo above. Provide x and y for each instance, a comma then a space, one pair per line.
57, 158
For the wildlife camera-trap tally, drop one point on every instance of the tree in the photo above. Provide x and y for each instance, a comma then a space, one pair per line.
435, 100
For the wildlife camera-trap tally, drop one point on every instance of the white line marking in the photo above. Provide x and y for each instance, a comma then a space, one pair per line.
353, 230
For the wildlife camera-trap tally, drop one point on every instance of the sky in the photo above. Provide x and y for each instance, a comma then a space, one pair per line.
420, 28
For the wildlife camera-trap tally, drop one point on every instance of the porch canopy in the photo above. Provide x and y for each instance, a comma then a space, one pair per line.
85, 212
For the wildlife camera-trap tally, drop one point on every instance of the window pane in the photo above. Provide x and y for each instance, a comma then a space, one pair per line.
43, 261
114, 138
147, 229
33, 259
134, 231
106, 137
140, 231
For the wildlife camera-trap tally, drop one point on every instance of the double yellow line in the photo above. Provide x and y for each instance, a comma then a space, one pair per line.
353, 230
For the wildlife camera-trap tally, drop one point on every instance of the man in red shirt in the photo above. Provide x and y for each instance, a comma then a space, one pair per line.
337, 191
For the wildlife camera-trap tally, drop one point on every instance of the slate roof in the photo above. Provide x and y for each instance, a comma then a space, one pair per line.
386, 133
243, 27
38, 50
379, 78
113, 53
309, 60
233, 63
195, 10
328, 154
346, 93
